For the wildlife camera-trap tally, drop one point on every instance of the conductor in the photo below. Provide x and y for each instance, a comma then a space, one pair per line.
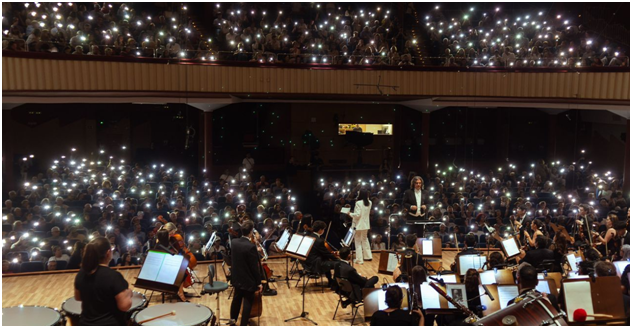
413, 202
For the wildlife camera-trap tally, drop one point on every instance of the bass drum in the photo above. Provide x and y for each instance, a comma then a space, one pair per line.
533, 310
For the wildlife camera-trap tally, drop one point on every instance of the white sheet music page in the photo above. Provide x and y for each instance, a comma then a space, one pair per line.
305, 246
429, 297
578, 296
294, 243
426, 246
506, 294
392, 262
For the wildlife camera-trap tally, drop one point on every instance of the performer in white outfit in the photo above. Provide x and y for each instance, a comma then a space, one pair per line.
360, 216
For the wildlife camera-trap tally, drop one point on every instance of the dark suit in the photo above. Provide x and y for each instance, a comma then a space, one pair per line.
246, 277
320, 259
409, 200
344, 270
536, 256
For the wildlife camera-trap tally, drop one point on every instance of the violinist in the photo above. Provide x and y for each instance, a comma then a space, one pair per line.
607, 241
536, 226
360, 216
246, 274
320, 259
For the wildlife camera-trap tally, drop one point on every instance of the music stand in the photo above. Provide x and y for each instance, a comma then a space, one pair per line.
388, 262
162, 272
510, 248
604, 296
298, 250
281, 245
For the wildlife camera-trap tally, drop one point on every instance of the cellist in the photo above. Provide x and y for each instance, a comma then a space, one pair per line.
177, 243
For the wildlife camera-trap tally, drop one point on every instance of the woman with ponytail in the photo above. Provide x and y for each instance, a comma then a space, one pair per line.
361, 216
536, 226
104, 292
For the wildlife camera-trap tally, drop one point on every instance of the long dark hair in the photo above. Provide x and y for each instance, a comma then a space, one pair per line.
363, 195
94, 253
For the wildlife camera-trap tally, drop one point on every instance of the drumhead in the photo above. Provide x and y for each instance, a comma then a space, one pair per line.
138, 301
30, 316
73, 307
187, 314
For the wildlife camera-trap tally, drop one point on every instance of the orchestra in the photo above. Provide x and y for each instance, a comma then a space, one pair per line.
544, 244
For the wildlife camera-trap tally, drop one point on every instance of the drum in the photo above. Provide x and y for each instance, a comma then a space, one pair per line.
533, 310
32, 316
186, 314
72, 308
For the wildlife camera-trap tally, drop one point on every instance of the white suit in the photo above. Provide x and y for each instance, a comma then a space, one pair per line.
360, 216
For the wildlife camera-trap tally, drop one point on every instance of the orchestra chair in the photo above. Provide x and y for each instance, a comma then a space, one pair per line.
344, 293
307, 271
214, 287
546, 265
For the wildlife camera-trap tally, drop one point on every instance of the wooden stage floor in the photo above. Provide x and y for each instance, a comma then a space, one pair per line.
53, 289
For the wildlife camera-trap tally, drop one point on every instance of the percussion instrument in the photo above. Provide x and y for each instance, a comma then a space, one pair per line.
531, 310
32, 316
72, 308
186, 314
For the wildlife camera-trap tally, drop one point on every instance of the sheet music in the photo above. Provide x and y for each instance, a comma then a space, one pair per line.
151, 266
295, 242
392, 262
543, 286
488, 277
345, 210
429, 297
306, 244
572, 260
578, 296
447, 278
620, 265
169, 269
349, 236
426, 247
283, 240
211, 241
506, 294
470, 262
511, 247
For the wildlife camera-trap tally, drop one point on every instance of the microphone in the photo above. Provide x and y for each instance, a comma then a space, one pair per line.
440, 281
488, 293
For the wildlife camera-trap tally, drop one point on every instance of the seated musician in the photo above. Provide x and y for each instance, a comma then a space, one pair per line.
320, 259
587, 266
342, 269
470, 242
496, 260
401, 272
527, 277
163, 244
394, 315
535, 257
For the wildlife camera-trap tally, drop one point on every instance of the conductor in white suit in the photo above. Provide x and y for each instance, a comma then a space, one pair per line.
360, 216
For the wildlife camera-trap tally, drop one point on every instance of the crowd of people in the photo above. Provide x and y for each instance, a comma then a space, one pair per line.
311, 33
53, 214
489, 205
289, 33
496, 38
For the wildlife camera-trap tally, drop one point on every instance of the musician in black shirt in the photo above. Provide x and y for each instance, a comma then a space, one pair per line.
394, 315
104, 293
320, 259
401, 272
